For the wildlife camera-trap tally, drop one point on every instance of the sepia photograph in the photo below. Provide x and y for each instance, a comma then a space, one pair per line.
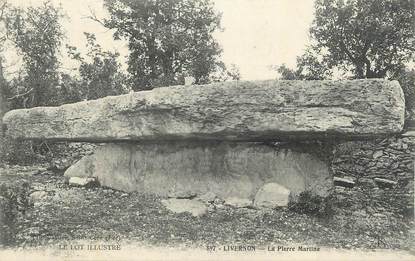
207, 130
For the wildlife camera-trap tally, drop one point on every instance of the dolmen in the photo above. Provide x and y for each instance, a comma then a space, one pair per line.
220, 138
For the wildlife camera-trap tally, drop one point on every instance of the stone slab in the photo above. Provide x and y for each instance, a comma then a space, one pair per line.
224, 169
272, 195
238, 111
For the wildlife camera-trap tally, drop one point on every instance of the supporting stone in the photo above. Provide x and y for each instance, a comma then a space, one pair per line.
272, 195
240, 111
196, 168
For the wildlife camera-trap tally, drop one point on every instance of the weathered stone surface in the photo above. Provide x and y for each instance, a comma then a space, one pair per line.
78, 181
37, 197
241, 110
410, 133
194, 168
195, 207
181, 194
238, 202
208, 197
344, 182
377, 154
385, 182
272, 195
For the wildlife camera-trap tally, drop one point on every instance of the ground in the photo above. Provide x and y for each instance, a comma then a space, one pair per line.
65, 214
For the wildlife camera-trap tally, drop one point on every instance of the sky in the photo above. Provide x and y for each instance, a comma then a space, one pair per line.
257, 33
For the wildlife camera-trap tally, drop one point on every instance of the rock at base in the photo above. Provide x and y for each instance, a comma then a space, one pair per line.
195, 207
181, 194
272, 195
37, 196
238, 202
82, 182
409, 133
186, 169
60, 164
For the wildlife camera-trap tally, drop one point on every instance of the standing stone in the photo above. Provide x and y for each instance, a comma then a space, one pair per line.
226, 169
272, 195
240, 110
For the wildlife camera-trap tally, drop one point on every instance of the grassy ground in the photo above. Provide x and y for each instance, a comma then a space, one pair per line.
69, 213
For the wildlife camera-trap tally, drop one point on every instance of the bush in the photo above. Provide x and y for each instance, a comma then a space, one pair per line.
24, 153
314, 205
14, 201
406, 79
21, 152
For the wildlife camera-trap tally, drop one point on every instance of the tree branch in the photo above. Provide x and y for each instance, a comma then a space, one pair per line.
20, 95
93, 17
3, 8
348, 53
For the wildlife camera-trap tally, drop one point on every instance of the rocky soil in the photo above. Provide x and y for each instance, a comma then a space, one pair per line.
60, 213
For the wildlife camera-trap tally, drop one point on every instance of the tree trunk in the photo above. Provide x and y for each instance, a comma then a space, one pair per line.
3, 109
3, 104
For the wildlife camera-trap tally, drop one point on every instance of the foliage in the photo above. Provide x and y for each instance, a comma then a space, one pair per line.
100, 72
168, 39
372, 37
406, 78
367, 39
24, 152
69, 89
3, 83
14, 201
225, 74
310, 66
37, 34
311, 204
360, 39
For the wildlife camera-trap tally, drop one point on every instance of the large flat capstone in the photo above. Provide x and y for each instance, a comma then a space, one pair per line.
240, 110
188, 169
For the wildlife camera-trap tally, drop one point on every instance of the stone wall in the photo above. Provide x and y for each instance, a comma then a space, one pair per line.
376, 176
